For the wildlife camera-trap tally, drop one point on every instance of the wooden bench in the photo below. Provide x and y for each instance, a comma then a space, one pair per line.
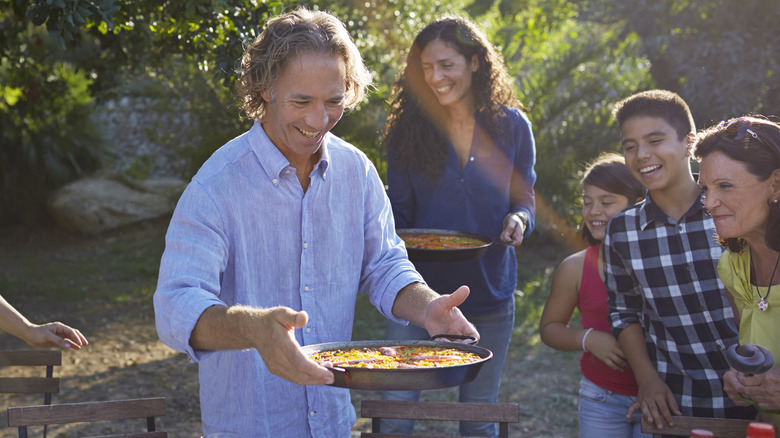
149, 408
501, 413
720, 427
46, 385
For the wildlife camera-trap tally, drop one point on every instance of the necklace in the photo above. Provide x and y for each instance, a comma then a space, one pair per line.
762, 304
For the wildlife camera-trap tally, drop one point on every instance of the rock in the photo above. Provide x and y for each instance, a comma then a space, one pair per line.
96, 204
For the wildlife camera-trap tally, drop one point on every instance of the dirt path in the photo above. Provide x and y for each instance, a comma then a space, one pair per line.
125, 359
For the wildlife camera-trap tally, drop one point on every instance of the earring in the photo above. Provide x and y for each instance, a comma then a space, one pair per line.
774, 203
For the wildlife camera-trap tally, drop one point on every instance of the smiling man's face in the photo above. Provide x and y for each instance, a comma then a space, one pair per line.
304, 104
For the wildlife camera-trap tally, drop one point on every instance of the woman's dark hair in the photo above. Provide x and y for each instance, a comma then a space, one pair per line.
610, 173
413, 136
755, 141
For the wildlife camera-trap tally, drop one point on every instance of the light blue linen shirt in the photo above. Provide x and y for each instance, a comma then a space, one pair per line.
244, 232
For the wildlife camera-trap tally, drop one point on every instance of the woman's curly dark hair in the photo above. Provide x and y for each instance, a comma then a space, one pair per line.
760, 154
413, 136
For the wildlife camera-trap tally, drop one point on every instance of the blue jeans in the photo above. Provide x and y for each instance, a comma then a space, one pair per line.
495, 330
603, 414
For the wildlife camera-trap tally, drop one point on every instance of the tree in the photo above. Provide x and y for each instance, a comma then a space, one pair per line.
47, 93
46, 133
722, 58
569, 73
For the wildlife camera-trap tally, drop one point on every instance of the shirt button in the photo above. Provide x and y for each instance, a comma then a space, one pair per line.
471, 158
308, 330
312, 413
306, 288
305, 245
275, 181
287, 171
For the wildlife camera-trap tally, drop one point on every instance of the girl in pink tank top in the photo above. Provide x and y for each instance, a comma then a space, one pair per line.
608, 386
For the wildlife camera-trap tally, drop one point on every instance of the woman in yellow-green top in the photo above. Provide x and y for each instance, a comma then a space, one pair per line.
740, 177
756, 326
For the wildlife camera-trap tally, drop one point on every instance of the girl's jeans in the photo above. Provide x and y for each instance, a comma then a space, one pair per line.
603, 414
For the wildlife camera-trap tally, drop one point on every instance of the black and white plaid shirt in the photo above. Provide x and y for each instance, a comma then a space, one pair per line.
662, 274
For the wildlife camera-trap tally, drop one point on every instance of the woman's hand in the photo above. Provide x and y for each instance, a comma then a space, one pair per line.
514, 228
54, 334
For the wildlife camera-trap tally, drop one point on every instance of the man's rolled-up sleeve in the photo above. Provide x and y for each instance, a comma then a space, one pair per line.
189, 279
386, 266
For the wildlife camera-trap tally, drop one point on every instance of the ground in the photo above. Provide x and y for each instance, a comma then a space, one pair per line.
103, 286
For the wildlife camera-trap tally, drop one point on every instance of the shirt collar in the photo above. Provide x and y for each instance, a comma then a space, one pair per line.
273, 161
650, 212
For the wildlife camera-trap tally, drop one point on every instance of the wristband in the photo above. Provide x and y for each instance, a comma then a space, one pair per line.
523, 219
585, 336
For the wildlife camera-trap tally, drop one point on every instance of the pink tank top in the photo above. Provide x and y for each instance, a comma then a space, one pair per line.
594, 311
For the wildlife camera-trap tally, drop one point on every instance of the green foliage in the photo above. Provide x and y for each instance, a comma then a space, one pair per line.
63, 19
190, 48
569, 73
723, 60
572, 60
571, 98
533, 289
155, 36
46, 131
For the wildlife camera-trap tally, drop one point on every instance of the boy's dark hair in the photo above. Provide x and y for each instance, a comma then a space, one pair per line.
759, 154
657, 103
609, 172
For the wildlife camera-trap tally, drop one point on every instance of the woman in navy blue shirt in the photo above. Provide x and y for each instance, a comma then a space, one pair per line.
461, 157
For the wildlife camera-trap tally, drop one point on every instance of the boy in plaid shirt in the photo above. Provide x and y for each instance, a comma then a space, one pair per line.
668, 308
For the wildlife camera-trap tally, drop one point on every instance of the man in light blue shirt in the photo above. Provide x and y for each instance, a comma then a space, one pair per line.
275, 236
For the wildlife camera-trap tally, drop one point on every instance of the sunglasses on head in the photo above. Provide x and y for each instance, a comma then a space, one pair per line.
737, 129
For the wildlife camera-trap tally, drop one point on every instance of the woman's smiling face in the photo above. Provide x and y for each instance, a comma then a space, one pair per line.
735, 198
447, 72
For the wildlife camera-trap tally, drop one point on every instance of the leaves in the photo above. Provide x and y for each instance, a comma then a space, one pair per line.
721, 59
571, 61
38, 14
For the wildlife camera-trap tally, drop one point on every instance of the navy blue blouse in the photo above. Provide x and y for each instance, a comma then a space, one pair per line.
498, 179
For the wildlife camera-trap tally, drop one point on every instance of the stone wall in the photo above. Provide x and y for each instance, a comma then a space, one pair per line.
142, 172
143, 137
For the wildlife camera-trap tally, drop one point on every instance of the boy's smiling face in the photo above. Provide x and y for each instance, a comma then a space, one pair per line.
654, 153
